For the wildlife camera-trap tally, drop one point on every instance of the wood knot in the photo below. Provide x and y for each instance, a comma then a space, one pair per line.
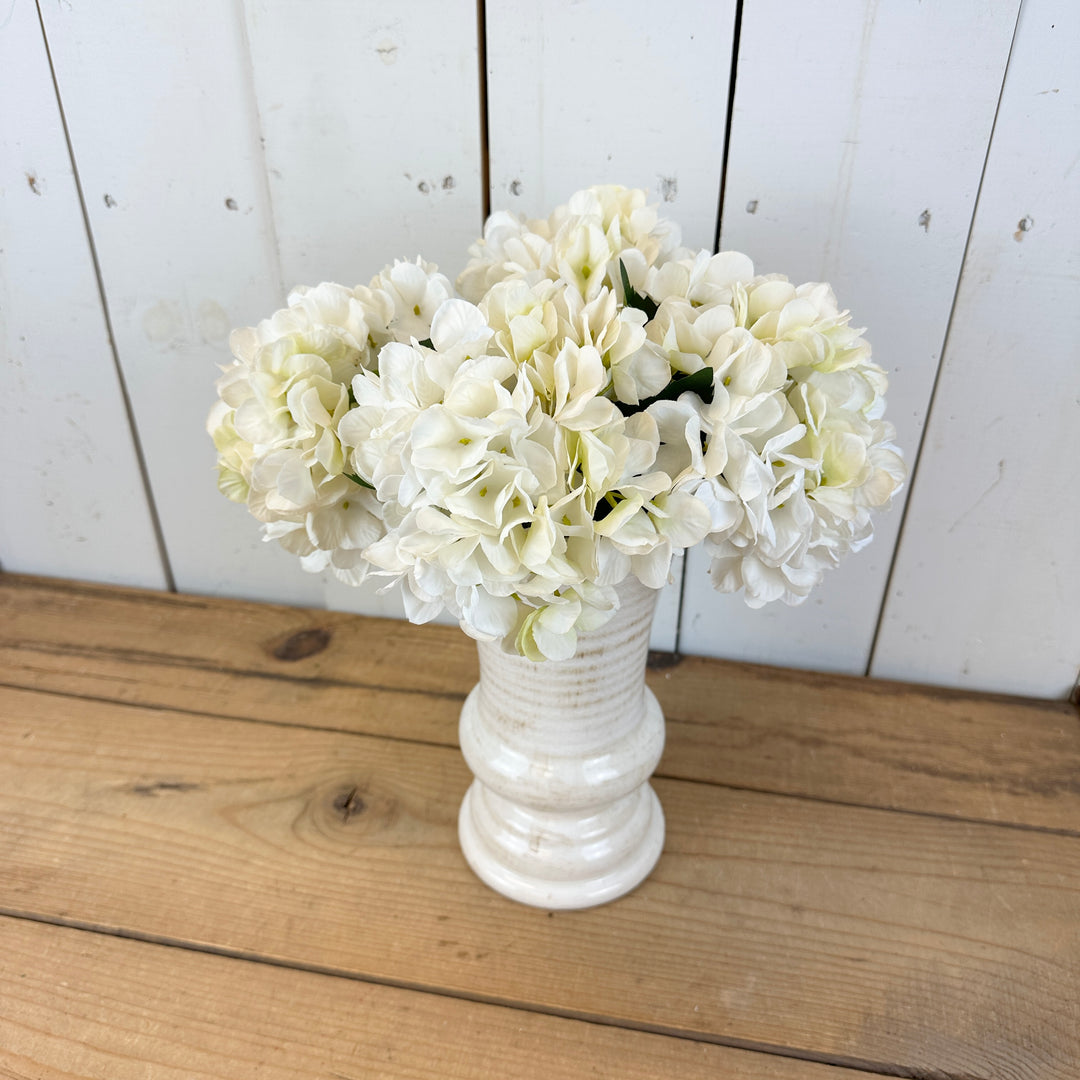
349, 803
302, 644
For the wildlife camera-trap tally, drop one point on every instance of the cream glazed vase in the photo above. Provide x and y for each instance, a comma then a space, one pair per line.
561, 813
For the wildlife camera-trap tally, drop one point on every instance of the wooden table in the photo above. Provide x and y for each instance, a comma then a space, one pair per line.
228, 849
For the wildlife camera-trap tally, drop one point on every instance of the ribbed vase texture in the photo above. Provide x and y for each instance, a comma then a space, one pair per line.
561, 814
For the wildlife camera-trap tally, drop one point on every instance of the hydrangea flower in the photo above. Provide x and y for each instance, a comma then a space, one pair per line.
600, 400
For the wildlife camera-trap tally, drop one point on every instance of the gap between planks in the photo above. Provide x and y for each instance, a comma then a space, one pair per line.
659, 774
845, 740
871, 937
516, 1004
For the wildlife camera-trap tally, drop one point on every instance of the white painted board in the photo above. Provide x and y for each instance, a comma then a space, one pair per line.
72, 502
372, 149
165, 131
631, 93
986, 591
856, 149
371, 119
164, 134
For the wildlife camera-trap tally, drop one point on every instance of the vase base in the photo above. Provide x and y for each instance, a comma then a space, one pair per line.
561, 861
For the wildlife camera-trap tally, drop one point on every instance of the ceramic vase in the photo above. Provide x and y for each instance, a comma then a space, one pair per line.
561, 813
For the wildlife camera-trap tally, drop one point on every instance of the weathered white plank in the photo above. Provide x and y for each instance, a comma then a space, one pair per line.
631, 93
165, 122
857, 145
164, 133
986, 591
371, 119
72, 501
372, 148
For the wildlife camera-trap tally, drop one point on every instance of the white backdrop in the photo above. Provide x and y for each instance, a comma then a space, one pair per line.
167, 172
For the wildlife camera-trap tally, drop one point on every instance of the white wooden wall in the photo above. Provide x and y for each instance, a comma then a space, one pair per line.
166, 174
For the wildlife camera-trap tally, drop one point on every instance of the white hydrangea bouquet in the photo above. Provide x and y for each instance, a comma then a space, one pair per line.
596, 400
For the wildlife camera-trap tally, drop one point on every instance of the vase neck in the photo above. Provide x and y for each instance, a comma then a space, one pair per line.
577, 705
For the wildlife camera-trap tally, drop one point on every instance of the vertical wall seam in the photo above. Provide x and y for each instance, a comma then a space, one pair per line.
155, 520
682, 597
913, 478
485, 159
736, 33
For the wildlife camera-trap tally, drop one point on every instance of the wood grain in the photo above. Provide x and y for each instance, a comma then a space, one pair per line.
820, 736
87, 1005
888, 941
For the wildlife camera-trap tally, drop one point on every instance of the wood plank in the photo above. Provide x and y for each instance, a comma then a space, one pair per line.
80, 1004
288, 665
988, 513
70, 487
890, 941
165, 134
141, 88
545, 60
874, 743
349, 192
857, 142
821, 736
549, 65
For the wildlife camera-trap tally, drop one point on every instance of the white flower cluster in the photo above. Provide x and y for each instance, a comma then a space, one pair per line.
601, 400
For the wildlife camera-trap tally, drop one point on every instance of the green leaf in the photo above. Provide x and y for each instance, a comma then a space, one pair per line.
605, 505
633, 298
700, 383
426, 343
357, 480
